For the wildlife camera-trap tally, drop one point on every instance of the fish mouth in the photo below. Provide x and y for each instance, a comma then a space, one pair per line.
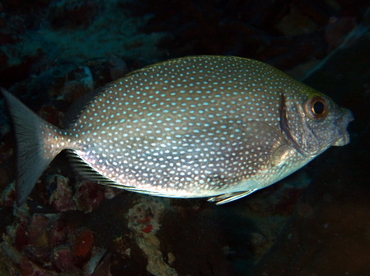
343, 133
344, 140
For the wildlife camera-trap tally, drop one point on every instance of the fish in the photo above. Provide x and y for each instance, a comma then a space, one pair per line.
216, 127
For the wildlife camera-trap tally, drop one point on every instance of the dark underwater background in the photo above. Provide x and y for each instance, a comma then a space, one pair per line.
314, 222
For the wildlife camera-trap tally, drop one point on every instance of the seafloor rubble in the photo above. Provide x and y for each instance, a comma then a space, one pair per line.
52, 52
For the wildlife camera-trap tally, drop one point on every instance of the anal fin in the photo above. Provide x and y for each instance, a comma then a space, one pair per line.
85, 170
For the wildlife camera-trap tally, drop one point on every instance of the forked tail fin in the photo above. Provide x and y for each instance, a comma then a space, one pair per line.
37, 144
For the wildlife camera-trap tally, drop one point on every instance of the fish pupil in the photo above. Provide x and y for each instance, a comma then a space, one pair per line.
318, 107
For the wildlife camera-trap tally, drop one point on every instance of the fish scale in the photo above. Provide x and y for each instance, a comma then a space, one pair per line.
178, 154
204, 126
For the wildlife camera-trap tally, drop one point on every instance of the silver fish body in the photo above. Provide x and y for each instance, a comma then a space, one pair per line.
205, 126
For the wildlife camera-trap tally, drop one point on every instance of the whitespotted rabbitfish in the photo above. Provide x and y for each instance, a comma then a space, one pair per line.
204, 126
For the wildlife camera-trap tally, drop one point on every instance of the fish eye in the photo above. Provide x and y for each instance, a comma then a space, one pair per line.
317, 107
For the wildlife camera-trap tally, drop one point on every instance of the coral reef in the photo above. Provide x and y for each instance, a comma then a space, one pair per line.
69, 32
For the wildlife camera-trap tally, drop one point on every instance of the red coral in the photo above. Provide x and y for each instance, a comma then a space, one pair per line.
63, 259
147, 229
38, 230
57, 233
147, 219
83, 243
21, 237
89, 195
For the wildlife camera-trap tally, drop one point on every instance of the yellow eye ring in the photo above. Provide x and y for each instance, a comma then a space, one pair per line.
317, 107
